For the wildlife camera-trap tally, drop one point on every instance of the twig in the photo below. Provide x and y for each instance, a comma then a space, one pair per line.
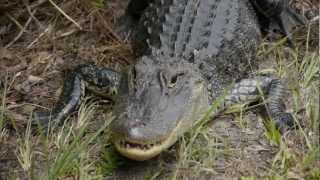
21, 31
65, 15
18, 11
29, 11
109, 29
65, 34
14, 20
40, 35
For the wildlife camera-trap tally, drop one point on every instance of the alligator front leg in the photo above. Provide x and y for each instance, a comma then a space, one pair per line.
130, 19
101, 81
280, 12
252, 90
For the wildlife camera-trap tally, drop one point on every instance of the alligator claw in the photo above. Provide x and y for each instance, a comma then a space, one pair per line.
289, 20
284, 122
280, 12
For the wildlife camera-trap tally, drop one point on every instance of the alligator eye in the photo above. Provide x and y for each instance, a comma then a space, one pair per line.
174, 79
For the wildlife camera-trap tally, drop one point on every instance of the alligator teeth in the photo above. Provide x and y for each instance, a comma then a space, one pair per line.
144, 147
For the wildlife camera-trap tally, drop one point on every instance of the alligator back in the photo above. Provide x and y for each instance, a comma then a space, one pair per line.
218, 35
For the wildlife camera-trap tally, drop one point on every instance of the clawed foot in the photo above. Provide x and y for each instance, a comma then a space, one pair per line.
284, 122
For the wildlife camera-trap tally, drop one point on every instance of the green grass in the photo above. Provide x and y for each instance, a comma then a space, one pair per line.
25, 153
2, 111
190, 150
73, 150
3, 98
7, 86
110, 160
66, 152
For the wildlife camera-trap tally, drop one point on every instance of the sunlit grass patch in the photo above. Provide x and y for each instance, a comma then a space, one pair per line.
197, 148
73, 147
5, 86
64, 152
25, 152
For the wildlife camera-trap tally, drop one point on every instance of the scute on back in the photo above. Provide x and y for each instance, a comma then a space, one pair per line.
220, 36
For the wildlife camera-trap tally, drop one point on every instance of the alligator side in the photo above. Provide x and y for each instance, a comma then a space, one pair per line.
192, 52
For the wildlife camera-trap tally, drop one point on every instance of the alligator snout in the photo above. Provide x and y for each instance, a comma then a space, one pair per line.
136, 140
136, 130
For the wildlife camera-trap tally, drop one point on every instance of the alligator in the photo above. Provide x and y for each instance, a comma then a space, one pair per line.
191, 53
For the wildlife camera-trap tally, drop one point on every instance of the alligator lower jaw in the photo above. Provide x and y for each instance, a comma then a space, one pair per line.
137, 153
142, 151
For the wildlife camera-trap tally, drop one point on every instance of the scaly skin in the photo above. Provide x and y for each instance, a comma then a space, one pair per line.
196, 37
191, 52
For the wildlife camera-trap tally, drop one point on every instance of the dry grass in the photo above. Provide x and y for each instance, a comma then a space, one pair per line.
41, 40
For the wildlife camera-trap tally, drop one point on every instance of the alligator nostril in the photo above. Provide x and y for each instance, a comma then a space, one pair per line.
136, 123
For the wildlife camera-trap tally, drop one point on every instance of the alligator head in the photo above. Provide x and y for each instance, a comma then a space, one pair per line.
158, 101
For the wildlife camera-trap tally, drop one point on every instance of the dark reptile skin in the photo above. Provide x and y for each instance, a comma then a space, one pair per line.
220, 36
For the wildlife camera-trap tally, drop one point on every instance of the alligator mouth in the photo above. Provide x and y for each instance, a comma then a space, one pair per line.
141, 151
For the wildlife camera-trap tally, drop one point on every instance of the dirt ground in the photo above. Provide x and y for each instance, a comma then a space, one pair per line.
39, 44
